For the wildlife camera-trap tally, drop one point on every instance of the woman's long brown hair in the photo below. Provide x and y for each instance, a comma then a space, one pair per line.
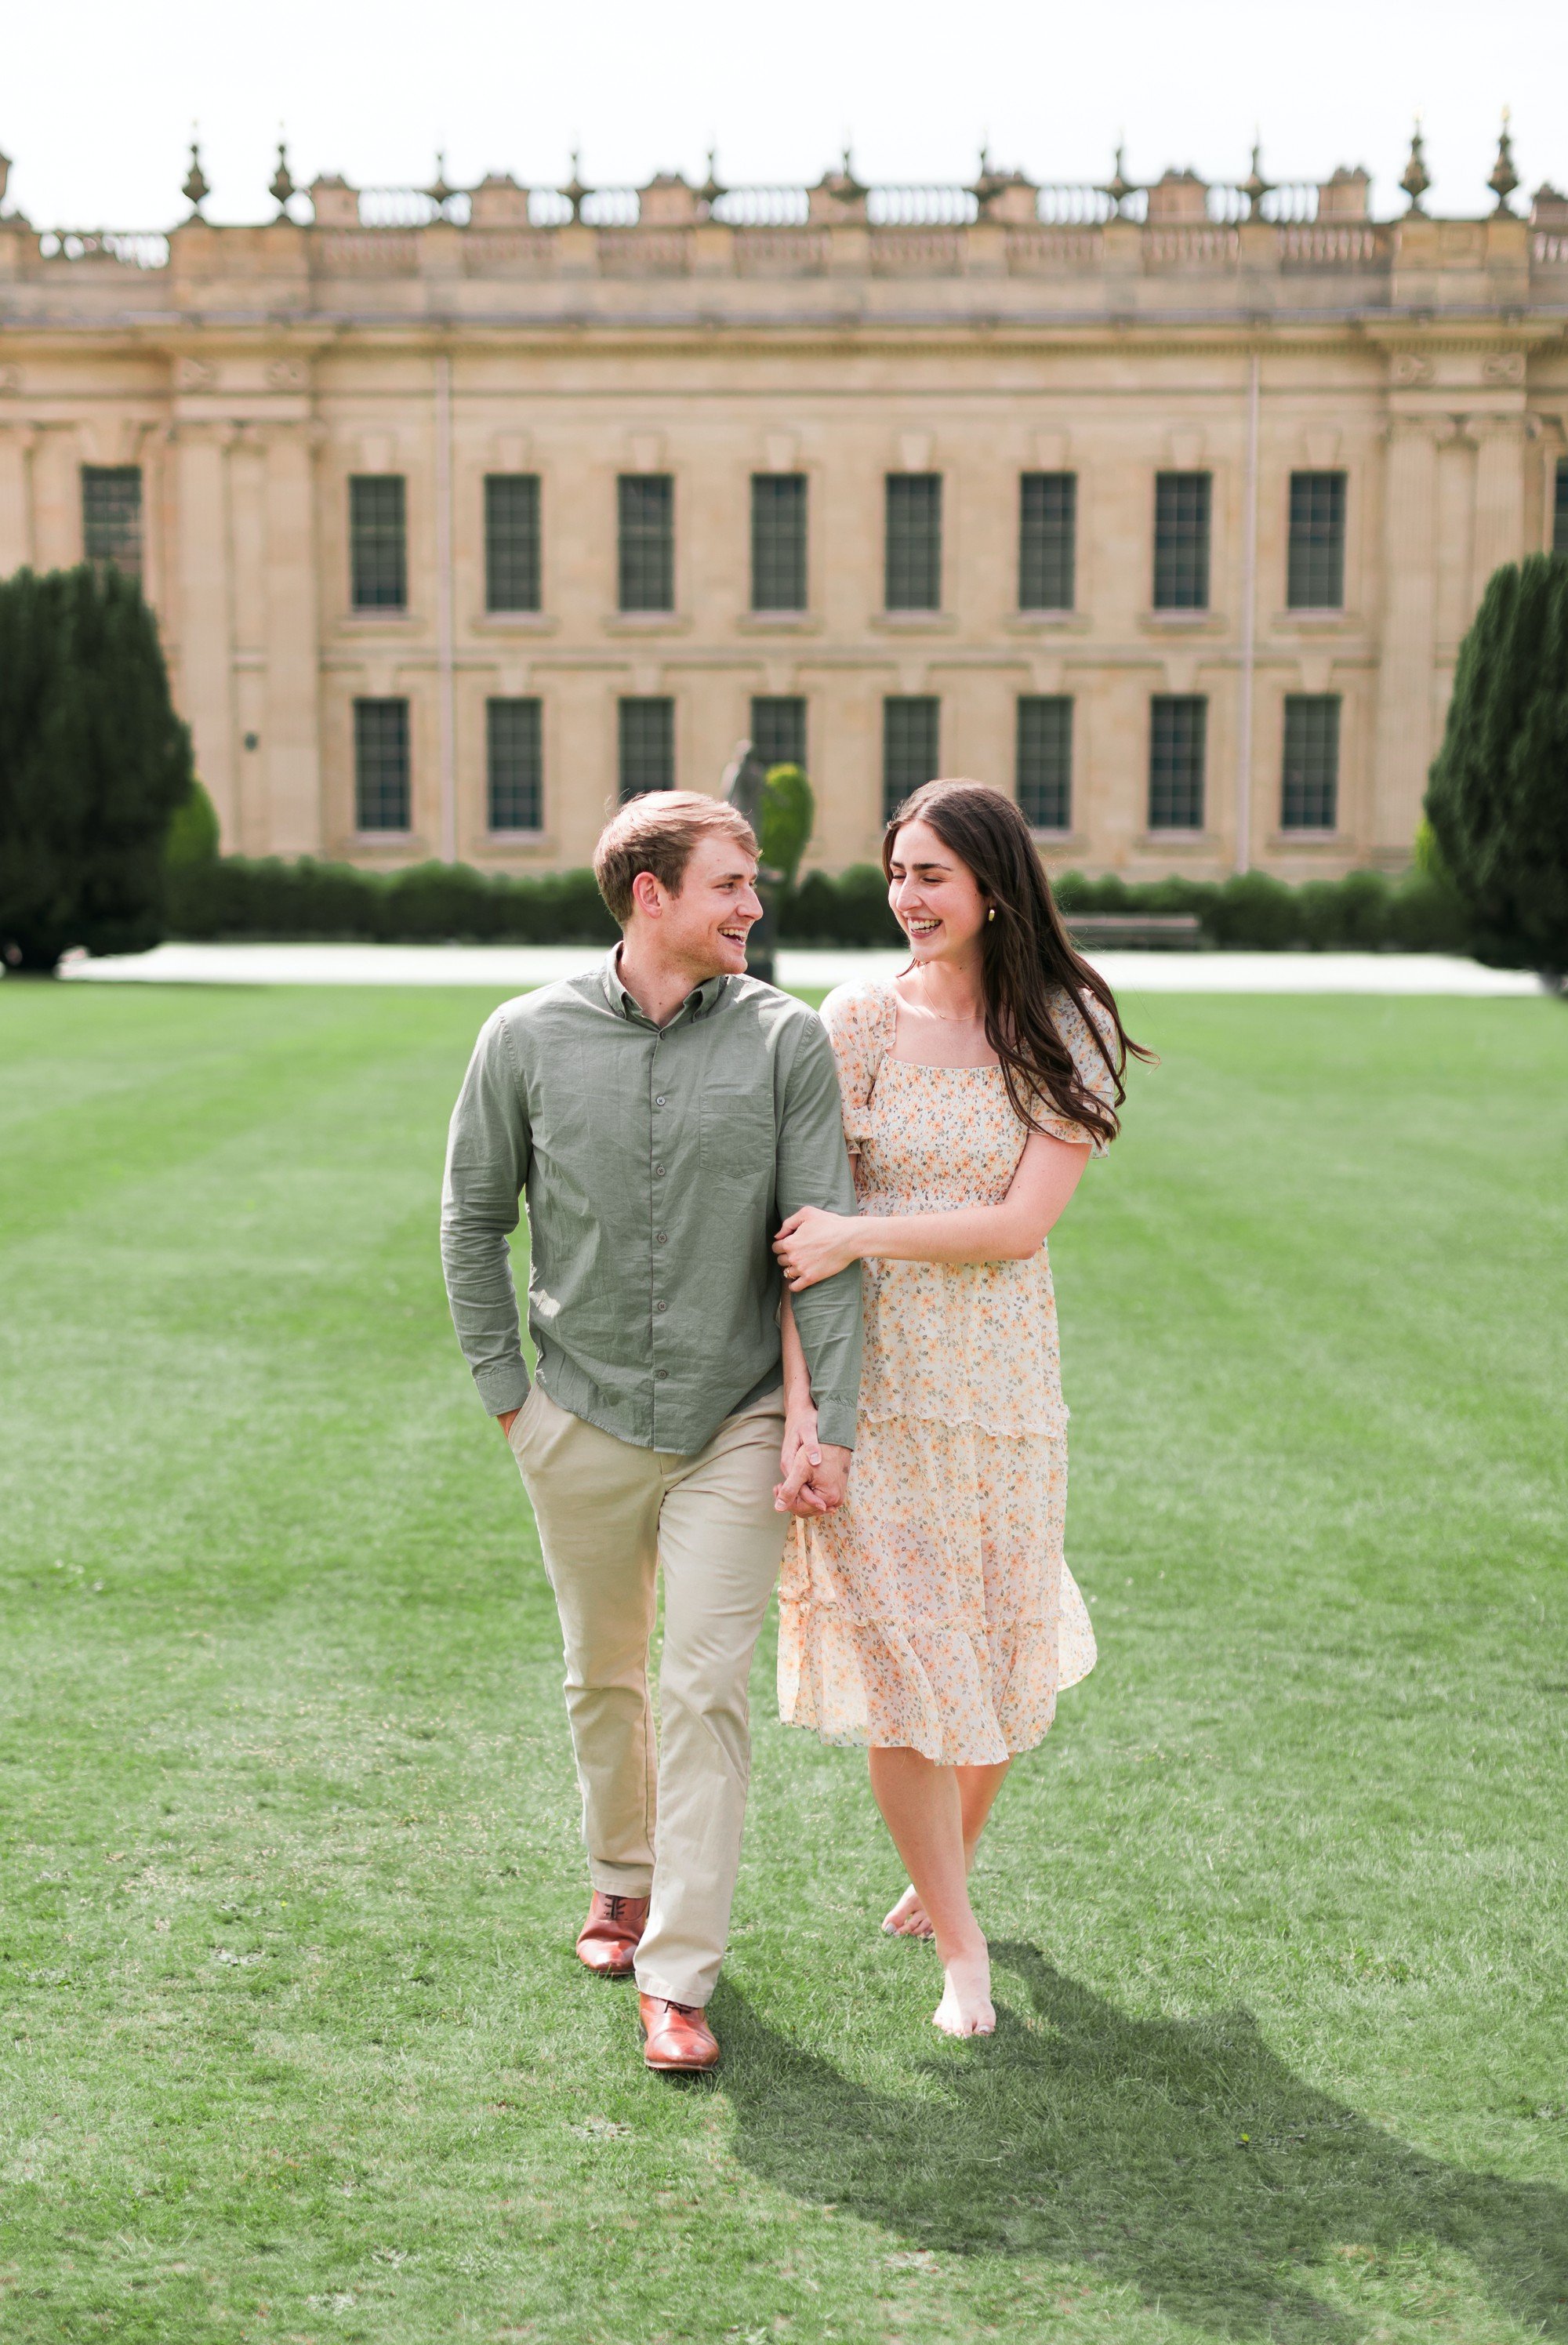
1025, 953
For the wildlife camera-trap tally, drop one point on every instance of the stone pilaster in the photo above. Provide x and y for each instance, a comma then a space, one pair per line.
1405, 696
1502, 443
56, 498
291, 739
17, 444
205, 607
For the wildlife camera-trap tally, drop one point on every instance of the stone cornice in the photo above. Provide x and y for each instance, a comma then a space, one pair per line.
195, 341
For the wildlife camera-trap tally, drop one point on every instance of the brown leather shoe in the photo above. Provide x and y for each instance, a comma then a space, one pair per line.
677, 2039
609, 1939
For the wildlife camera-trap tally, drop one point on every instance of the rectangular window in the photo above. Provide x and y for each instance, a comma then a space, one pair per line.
778, 541
1316, 580
514, 765
909, 731
381, 764
778, 729
914, 548
112, 516
647, 747
377, 541
1181, 506
1309, 788
511, 542
1045, 771
647, 542
1177, 725
1047, 541
1560, 510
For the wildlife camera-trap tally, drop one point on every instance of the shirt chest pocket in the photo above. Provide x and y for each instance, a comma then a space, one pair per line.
737, 1148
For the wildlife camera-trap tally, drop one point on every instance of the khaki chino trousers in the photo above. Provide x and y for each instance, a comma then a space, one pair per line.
661, 1821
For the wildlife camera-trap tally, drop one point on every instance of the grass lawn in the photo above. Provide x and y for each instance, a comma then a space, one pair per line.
294, 2043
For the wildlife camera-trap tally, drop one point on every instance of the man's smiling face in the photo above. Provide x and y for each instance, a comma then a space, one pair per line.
703, 929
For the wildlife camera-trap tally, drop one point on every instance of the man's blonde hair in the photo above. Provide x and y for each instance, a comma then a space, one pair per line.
658, 833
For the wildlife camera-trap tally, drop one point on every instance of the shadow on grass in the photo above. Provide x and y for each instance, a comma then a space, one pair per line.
1179, 2157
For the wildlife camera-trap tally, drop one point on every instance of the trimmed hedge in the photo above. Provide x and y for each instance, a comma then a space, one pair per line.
439, 903
429, 903
1251, 912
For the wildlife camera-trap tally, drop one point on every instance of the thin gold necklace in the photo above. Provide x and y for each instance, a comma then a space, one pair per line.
943, 1020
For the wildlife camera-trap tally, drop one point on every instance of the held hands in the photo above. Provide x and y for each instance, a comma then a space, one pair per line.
814, 1472
813, 1245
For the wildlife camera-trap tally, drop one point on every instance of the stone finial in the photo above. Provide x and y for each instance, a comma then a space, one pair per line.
575, 191
196, 190
1119, 187
1006, 197
838, 196
1416, 180
713, 188
282, 184
4, 175
439, 193
1255, 187
843, 183
1504, 178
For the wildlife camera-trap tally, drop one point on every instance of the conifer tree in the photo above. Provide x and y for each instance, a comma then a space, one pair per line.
94, 764
1498, 799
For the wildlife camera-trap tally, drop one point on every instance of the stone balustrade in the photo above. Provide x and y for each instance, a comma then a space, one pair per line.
1182, 229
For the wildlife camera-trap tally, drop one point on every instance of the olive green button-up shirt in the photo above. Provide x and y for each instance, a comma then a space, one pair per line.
657, 1162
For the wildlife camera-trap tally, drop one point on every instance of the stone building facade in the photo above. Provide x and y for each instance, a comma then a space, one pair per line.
462, 512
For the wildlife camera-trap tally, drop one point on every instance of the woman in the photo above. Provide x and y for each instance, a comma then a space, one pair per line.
932, 1618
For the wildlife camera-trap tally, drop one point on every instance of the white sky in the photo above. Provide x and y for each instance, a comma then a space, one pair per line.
98, 97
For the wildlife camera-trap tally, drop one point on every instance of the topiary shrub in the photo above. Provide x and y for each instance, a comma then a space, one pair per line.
1498, 788
784, 821
193, 834
94, 764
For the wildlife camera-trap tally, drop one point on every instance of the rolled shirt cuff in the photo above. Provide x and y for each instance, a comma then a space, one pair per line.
504, 1387
835, 1415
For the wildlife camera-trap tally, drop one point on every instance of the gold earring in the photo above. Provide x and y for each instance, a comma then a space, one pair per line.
992, 913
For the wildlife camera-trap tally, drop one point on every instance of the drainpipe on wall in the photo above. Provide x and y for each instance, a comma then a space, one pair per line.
444, 666
1249, 629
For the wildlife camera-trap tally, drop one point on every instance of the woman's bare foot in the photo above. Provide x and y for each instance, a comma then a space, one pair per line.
966, 2008
908, 1918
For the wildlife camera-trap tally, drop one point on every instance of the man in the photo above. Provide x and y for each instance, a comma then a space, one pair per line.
663, 1114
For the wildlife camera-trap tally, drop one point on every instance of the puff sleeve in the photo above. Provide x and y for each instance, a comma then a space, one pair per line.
859, 1023
1072, 1023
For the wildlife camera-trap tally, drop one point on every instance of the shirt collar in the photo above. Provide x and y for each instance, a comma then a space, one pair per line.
702, 998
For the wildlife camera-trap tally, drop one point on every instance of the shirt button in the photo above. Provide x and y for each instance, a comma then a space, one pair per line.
661, 1306
659, 1238
661, 1373
659, 1100
658, 1171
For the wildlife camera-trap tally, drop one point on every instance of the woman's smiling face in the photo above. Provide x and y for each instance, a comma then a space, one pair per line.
935, 896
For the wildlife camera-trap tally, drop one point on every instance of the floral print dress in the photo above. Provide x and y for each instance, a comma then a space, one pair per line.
933, 1611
